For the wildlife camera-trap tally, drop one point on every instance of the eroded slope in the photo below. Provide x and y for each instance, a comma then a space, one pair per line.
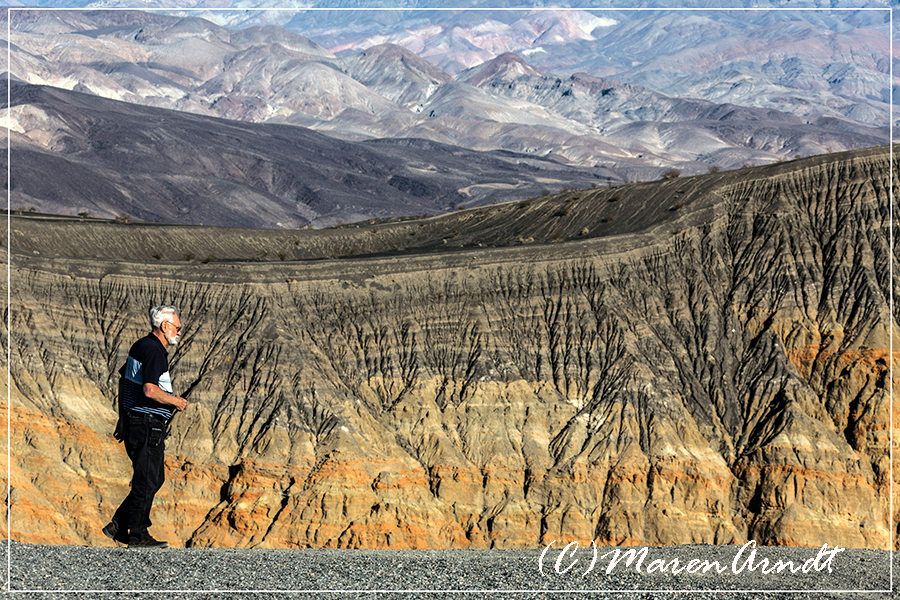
720, 374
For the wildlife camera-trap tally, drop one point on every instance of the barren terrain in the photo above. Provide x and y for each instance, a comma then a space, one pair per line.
696, 360
636, 92
75, 153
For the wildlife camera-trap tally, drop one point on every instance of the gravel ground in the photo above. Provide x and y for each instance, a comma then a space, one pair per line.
38, 572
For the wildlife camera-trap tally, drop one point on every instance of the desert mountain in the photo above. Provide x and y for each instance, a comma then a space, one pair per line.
78, 153
629, 115
694, 360
806, 61
268, 74
396, 73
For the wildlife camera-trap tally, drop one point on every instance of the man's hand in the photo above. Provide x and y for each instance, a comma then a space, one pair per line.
154, 392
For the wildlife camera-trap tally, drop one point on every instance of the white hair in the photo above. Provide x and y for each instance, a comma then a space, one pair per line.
158, 314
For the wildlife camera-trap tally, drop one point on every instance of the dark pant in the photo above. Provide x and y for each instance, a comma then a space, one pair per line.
145, 444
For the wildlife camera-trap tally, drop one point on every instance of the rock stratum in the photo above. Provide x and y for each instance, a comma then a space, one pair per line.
697, 360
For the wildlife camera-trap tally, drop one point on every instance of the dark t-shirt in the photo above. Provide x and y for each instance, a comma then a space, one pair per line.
147, 363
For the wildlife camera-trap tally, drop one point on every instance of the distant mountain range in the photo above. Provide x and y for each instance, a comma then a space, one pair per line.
75, 153
822, 82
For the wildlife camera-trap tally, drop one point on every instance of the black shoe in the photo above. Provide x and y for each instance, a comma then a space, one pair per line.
112, 532
111, 529
147, 542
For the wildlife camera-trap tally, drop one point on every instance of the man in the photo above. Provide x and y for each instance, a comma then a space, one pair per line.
147, 404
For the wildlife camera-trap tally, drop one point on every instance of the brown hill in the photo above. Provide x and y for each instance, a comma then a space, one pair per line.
695, 360
74, 153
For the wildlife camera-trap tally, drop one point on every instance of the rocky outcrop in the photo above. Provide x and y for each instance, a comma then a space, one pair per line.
709, 362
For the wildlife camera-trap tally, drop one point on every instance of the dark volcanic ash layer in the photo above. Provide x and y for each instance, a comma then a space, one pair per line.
695, 360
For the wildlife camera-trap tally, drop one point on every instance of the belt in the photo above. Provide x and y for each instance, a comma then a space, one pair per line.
134, 415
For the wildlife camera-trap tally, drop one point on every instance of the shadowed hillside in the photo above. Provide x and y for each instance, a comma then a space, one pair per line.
76, 153
694, 360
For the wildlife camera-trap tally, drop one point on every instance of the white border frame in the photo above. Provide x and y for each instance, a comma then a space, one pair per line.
11, 10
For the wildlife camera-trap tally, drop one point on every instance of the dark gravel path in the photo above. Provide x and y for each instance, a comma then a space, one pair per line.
38, 572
